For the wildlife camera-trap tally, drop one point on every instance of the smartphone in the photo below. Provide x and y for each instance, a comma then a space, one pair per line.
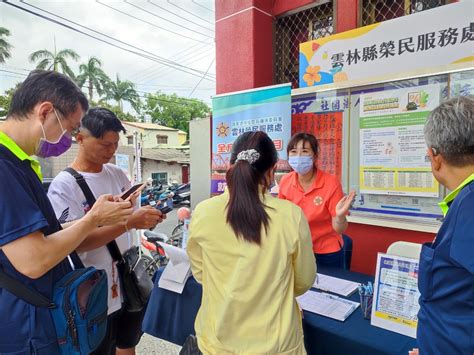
164, 208
130, 191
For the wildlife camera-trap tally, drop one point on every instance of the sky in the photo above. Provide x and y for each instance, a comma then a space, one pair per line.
184, 35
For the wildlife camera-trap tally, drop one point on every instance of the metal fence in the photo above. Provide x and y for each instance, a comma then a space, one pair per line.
293, 29
373, 11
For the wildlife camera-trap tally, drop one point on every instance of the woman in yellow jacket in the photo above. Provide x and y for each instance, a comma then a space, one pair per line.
252, 254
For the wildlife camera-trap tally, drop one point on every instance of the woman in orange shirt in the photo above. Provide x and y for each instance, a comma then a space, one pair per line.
320, 197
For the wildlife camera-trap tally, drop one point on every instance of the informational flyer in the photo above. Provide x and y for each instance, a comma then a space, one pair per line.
396, 294
393, 153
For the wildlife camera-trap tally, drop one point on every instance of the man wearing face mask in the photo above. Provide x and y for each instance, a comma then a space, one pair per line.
44, 111
320, 197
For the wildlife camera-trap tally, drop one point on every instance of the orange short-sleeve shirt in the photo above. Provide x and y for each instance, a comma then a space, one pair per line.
319, 206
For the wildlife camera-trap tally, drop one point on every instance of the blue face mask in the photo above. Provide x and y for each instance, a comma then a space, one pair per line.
301, 164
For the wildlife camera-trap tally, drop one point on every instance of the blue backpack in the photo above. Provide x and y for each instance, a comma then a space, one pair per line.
78, 308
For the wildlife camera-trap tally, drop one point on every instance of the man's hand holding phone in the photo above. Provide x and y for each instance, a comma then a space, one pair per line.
108, 211
145, 218
164, 208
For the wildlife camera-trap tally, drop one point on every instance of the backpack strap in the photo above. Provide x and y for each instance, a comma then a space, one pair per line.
83, 185
90, 198
20, 290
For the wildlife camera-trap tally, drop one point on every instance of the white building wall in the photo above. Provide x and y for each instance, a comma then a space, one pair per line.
152, 166
200, 155
148, 136
51, 167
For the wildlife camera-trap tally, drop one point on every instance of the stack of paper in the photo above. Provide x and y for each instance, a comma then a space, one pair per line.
177, 271
327, 305
335, 285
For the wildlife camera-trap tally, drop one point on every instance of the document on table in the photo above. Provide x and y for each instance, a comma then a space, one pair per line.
335, 285
327, 305
177, 271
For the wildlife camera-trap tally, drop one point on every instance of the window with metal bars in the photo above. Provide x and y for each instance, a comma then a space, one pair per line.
373, 11
159, 178
161, 139
293, 29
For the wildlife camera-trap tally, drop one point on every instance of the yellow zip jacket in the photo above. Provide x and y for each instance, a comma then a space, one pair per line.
248, 303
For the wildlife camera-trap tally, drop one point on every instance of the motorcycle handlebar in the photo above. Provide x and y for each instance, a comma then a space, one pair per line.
154, 237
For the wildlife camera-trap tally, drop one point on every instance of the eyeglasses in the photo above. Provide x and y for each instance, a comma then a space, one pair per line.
75, 130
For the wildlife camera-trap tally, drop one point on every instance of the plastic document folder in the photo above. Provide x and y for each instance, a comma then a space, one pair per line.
335, 285
327, 305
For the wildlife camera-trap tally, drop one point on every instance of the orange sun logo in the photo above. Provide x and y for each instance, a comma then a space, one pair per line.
222, 130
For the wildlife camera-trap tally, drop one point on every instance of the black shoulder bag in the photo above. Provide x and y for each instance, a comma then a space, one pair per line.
136, 283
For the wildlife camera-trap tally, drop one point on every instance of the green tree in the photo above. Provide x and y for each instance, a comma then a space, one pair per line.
123, 90
5, 101
174, 111
5, 47
92, 75
47, 60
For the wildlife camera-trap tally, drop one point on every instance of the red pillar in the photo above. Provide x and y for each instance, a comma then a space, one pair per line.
346, 14
244, 44
282, 6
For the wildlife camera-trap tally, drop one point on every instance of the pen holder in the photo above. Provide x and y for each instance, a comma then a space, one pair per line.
366, 305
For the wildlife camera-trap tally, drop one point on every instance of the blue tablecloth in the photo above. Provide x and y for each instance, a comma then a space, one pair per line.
170, 316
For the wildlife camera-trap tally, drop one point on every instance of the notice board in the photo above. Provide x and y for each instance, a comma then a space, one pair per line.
372, 138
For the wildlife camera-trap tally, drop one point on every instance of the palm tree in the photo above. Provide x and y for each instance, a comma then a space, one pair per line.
54, 60
5, 47
123, 90
93, 76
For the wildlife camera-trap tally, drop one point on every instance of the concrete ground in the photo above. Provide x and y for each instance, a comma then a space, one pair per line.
149, 344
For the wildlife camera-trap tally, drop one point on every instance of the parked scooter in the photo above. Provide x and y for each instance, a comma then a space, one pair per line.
182, 196
151, 194
151, 240
170, 190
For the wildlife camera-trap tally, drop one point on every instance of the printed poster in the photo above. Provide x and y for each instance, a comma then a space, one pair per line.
327, 127
395, 306
393, 152
265, 109
122, 161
